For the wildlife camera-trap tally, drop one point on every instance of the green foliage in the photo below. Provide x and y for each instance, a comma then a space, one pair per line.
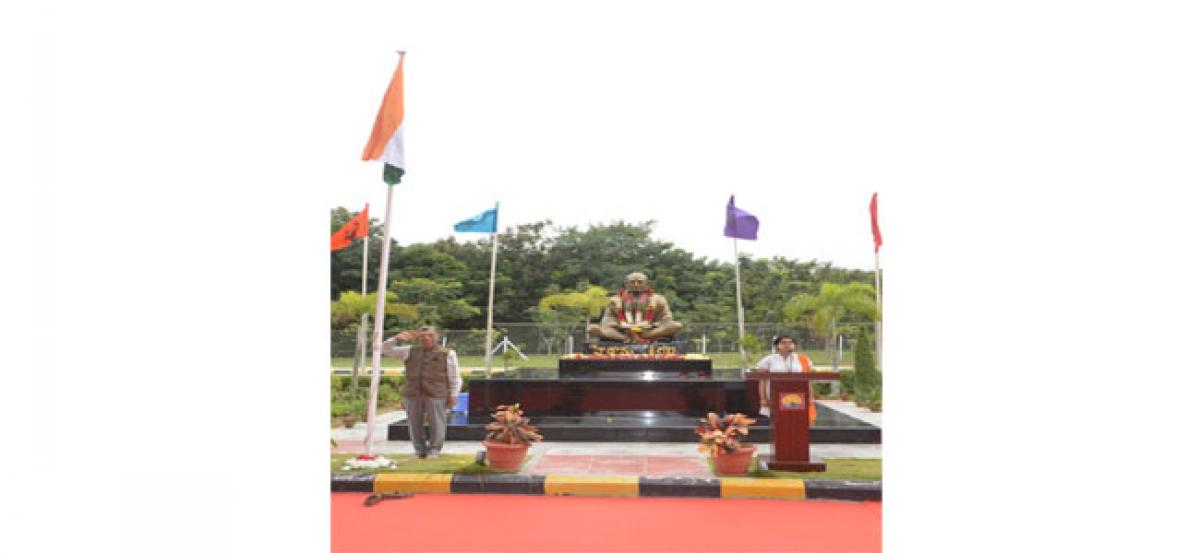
868, 383
448, 279
834, 304
351, 306
577, 306
508, 356
755, 347
437, 302
849, 378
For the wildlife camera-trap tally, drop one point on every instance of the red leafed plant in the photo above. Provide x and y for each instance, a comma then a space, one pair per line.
723, 435
511, 426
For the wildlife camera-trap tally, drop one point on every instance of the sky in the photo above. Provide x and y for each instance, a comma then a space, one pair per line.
173, 166
592, 116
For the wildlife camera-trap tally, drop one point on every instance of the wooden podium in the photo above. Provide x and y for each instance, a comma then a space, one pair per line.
791, 396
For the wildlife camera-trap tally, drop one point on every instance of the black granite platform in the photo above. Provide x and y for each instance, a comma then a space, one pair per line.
634, 368
651, 426
633, 400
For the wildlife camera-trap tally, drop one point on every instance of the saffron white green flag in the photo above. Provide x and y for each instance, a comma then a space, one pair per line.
387, 137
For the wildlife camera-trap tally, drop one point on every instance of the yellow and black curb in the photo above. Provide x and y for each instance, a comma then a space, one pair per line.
608, 486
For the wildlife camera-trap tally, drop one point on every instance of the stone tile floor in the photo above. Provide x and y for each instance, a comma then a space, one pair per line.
620, 465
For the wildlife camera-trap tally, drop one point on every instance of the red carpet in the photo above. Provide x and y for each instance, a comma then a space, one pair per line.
532, 524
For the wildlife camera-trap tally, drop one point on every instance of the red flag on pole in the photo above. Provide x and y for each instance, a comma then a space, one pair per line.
875, 221
357, 227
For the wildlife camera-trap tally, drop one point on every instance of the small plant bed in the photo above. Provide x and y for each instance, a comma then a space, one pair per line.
447, 463
835, 469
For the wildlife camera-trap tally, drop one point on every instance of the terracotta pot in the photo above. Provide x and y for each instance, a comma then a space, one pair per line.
505, 456
734, 463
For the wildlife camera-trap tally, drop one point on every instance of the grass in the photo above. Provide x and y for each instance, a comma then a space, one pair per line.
836, 468
447, 463
722, 360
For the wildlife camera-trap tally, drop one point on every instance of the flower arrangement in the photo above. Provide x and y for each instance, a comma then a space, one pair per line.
723, 436
368, 462
511, 426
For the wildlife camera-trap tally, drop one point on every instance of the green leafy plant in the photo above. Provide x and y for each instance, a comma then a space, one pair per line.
867, 380
511, 426
753, 346
719, 435
847, 382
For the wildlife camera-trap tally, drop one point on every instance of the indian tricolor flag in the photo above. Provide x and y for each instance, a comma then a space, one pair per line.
387, 138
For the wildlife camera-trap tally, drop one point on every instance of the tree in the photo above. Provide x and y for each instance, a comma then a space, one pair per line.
868, 391
563, 312
349, 311
438, 302
833, 304
538, 259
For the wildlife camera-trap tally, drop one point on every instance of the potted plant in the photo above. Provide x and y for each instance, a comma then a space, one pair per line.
721, 438
509, 437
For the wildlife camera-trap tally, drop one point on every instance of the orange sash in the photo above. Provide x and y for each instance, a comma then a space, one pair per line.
806, 366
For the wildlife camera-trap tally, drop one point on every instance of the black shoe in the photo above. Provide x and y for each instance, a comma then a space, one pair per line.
420, 456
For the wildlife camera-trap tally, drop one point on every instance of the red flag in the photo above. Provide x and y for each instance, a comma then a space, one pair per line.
875, 221
357, 227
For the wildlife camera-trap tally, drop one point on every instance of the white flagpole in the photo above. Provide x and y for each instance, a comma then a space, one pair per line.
737, 277
487, 348
377, 340
360, 342
879, 320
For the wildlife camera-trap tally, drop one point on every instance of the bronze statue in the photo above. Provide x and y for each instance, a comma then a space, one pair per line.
635, 314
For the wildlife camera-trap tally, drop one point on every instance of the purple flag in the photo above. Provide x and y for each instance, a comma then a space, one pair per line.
739, 224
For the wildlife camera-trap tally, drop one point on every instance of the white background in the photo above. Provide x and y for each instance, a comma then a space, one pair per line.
1035, 162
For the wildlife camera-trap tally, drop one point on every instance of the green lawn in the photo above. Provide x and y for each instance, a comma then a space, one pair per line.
836, 468
407, 462
724, 360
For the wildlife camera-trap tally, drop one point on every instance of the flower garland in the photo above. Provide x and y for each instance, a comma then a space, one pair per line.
368, 462
631, 306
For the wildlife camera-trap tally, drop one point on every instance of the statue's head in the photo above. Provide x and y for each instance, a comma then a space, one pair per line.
637, 283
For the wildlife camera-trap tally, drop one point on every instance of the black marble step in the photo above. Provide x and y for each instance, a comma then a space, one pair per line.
651, 426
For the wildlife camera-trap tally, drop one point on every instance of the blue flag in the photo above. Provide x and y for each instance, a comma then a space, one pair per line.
739, 224
484, 222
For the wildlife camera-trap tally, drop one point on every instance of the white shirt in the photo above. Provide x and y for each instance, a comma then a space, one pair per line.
777, 364
390, 349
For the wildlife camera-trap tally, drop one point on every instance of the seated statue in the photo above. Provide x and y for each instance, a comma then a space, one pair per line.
635, 314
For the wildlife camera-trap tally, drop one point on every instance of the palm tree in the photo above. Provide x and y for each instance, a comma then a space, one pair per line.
825, 310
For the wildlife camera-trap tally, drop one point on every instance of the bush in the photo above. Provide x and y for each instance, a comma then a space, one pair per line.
867, 380
847, 382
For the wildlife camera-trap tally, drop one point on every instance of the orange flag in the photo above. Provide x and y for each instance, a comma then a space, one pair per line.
357, 227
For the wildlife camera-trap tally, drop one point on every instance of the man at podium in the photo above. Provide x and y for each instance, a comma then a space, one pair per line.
784, 360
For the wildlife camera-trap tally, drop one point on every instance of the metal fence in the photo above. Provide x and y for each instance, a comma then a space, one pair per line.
539, 339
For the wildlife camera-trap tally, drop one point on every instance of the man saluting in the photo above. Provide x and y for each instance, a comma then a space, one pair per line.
431, 386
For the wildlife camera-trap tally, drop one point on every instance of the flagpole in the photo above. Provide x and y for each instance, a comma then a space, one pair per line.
879, 318
377, 340
737, 277
487, 349
360, 341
